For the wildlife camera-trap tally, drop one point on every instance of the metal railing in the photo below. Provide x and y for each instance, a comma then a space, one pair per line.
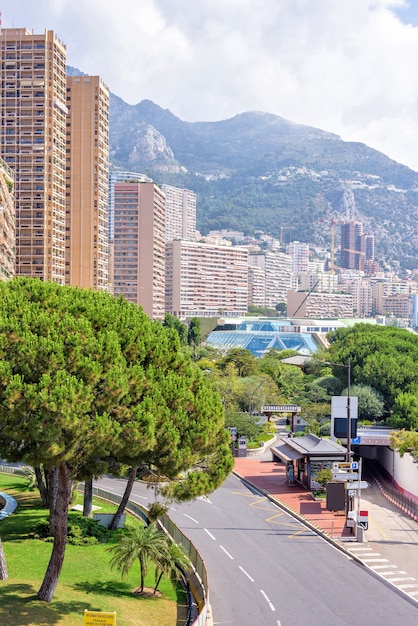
388, 489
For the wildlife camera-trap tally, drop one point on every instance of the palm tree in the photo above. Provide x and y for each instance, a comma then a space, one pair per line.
175, 562
145, 543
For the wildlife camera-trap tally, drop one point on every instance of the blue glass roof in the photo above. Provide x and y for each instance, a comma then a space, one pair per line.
259, 340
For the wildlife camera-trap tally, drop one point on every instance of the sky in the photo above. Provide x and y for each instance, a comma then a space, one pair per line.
345, 66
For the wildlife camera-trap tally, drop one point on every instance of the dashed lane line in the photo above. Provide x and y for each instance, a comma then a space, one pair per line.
271, 605
246, 573
210, 534
227, 553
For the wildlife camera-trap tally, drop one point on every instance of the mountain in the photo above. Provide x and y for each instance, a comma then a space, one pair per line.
258, 171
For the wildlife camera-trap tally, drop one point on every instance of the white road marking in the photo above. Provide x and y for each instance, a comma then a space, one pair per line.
376, 560
246, 573
267, 599
383, 566
192, 518
397, 580
210, 534
227, 553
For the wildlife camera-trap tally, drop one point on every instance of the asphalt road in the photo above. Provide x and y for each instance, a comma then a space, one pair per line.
390, 545
265, 568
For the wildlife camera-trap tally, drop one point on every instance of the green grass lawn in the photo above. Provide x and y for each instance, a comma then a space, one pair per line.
86, 580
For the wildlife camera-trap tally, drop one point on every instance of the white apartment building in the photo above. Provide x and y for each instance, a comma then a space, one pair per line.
301, 304
256, 286
362, 292
300, 256
180, 208
385, 296
327, 283
278, 273
205, 280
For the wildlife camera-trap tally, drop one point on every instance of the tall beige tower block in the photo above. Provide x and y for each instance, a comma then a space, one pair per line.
139, 245
33, 113
87, 188
7, 223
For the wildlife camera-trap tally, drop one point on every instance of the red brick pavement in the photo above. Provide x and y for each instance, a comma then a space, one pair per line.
271, 477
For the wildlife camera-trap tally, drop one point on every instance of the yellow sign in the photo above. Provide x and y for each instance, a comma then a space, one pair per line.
97, 618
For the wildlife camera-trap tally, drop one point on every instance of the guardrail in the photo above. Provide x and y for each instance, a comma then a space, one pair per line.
197, 579
391, 493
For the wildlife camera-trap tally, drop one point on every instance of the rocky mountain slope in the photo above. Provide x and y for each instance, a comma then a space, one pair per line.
257, 171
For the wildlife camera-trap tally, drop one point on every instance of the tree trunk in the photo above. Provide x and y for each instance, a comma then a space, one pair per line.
52, 480
128, 490
43, 491
59, 513
88, 498
158, 582
3, 565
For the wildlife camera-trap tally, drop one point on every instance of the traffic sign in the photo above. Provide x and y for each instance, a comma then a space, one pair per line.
362, 484
344, 466
344, 476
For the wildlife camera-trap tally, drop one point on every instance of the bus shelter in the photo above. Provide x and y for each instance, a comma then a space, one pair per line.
306, 456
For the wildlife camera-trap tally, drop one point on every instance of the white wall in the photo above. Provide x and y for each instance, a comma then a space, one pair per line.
403, 470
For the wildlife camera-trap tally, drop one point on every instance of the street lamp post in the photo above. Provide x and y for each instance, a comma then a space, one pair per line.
348, 410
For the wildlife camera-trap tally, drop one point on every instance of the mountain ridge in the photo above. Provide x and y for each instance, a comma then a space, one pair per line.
259, 171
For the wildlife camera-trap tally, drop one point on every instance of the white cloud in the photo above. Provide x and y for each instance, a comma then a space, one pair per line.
346, 66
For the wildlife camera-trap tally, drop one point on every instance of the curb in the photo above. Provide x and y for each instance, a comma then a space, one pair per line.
301, 518
336, 544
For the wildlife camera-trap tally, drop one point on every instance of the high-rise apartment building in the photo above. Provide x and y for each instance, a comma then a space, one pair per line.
350, 245
278, 275
139, 245
87, 185
256, 286
7, 223
180, 207
206, 280
319, 305
121, 176
299, 253
33, 143
357, 248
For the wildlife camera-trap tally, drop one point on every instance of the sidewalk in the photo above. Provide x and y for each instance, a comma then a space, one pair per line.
270, 476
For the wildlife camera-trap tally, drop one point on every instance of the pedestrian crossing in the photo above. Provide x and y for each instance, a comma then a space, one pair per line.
383, 568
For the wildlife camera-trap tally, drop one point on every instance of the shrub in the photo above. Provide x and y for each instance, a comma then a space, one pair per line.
82, 531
